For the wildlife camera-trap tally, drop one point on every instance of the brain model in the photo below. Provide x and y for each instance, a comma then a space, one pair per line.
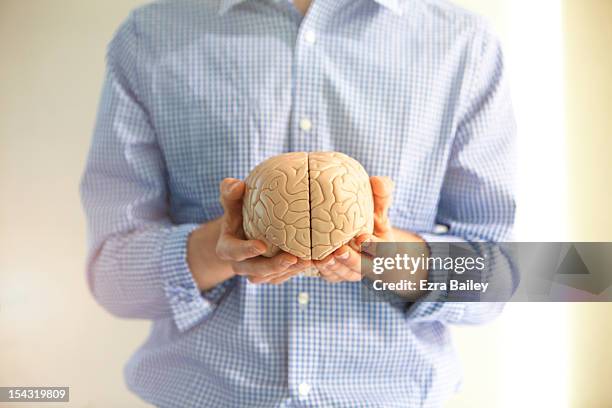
307, 204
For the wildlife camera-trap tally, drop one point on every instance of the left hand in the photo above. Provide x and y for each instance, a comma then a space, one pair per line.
344, 265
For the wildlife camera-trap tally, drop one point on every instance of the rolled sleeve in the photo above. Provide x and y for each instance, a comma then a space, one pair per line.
433, 306
189, 306
436, 304
137, 265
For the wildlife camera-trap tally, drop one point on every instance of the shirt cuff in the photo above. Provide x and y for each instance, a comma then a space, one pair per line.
188, 305
434, 305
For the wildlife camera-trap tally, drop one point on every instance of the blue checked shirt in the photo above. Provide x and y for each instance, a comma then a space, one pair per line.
197, 91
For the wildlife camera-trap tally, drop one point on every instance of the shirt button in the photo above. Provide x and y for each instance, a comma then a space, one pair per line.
303, 298
304, 389
305, 124
310, 37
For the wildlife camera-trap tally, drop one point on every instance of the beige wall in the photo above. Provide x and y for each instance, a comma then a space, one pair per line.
52, 332
588, 26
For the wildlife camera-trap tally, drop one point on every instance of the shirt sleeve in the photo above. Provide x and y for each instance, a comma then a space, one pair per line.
137, 265
477, 197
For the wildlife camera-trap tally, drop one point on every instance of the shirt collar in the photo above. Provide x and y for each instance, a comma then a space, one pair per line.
393, 5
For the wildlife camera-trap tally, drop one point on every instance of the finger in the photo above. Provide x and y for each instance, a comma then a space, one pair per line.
260, 267
382, 190
382, 187
341, 274
302, 264
325, 263
232, 191
258, 280
348, 257
333, 278
334, 271
351, 262
231, 248
330, 271
368, 245
347, 274
358, 241
350, 275
277, 278
296, 269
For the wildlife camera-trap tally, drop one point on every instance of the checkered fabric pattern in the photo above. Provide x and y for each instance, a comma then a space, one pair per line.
197, 91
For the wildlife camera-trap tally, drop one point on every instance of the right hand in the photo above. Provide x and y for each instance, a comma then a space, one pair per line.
244, 255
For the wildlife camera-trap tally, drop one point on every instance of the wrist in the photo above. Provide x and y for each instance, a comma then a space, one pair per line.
207, 269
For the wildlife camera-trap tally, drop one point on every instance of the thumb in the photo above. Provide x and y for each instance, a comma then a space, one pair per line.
372, 247
232, 191
382, 191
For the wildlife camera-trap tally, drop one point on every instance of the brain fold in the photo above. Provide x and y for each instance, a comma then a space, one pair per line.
307, 204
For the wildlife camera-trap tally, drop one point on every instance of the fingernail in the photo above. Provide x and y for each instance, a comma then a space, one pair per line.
343, 256
233, 186
229, 185
331, 262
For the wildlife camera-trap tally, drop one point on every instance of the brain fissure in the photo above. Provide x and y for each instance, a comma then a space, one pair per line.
307, 204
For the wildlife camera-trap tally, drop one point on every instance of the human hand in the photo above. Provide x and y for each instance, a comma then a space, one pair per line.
244, 255
345, 263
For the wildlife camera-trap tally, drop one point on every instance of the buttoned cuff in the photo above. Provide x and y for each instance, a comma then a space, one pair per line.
189, 306
434, 305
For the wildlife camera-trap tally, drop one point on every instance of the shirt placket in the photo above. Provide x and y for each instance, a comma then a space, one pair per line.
305, 130
306, 136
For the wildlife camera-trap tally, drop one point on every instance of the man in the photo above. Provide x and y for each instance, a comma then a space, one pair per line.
199, 92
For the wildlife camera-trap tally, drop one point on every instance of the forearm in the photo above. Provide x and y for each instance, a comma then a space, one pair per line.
134, 274
207, 269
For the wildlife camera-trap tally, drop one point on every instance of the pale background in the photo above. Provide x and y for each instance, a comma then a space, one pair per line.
53, 333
